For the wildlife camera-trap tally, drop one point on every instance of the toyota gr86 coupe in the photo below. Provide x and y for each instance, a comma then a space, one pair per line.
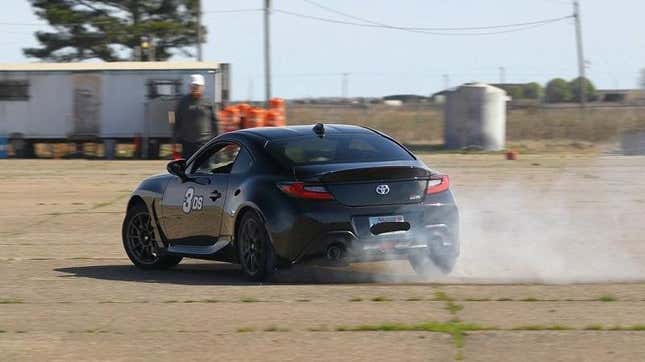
267, 198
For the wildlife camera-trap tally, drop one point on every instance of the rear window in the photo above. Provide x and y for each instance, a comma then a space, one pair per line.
338, 149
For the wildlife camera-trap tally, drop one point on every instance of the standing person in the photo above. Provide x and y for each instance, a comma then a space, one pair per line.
195, 121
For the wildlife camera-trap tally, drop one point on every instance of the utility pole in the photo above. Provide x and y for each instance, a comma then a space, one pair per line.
344, 85
267, 51
502, 75
581, 56
250, 90
199, 30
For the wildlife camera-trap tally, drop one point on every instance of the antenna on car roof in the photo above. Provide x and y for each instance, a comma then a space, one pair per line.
319, 130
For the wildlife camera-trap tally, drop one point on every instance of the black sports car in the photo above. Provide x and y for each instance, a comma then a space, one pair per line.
270, 197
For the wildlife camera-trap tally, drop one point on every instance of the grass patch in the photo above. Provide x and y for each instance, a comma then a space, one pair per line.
249, 300
441, 296
453, 308
90, 331
211, 301
356, 299
276, 329
477, 300
530, 299
381, 299
459, 356
594, 327
635, 327
303, 300
504, 299
190, 301
539, 327
413, 299
245, 329
3, 331
171, 301
11, 301
456, 330
607, 298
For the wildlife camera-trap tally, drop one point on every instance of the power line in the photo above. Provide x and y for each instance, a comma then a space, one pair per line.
379, 24
518, 27
342, 13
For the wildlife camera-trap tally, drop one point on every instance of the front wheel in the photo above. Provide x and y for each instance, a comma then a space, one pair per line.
254, 248
139, 241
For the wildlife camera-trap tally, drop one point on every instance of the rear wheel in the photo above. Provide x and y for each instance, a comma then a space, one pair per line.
439, 257
139, 241
254, 248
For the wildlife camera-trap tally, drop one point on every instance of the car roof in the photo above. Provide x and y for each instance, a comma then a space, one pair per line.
275, 133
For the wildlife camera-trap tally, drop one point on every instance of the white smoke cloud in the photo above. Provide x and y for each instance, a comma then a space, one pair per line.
559, 226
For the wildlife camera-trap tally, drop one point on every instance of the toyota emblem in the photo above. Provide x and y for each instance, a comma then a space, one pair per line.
382, 189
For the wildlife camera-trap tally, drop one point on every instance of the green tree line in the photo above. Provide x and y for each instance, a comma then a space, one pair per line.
557, 90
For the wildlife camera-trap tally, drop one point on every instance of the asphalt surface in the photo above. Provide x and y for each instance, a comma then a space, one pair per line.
552, 267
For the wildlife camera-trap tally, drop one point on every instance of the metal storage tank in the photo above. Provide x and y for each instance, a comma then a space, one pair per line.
475, 116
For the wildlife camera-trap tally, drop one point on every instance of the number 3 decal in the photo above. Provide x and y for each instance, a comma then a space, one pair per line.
191, 201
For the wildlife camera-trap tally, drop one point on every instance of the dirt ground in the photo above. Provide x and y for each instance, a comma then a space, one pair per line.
552, 268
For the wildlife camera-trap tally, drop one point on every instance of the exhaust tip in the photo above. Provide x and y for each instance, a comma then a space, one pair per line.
335, 252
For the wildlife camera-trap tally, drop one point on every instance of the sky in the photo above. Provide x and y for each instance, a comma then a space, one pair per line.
309, 56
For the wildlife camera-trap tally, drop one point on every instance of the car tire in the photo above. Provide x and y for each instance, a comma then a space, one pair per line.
437, 259
426, 266
139, 241
254, 248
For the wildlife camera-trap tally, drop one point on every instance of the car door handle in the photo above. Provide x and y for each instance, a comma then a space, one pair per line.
215, 195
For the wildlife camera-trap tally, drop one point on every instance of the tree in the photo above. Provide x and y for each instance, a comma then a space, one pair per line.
533, 90
114, 30
515, 91
558, 91
589, 89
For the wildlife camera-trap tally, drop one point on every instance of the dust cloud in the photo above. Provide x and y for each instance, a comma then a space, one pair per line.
554, 226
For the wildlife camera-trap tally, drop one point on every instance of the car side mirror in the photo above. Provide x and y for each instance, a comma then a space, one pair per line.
177, 168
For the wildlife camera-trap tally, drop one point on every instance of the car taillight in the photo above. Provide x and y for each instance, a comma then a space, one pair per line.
437, 184
302, 191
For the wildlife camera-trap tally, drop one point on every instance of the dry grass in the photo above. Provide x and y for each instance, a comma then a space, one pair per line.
565, 126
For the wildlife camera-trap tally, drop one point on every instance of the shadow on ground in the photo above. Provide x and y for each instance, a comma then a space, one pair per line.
229, 274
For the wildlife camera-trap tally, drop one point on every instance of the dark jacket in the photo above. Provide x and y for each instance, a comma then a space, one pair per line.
195, 120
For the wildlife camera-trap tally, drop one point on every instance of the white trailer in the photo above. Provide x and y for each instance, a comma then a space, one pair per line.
113, 101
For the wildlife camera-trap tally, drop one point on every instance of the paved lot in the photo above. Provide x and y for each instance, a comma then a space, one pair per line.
553, 267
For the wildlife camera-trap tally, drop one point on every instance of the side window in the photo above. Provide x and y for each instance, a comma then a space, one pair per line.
217, 160
166, 87
14, 90
243, 163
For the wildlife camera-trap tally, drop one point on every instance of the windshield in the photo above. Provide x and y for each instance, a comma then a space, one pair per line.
347, 148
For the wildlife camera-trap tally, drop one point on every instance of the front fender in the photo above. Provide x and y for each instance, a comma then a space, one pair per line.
150, 192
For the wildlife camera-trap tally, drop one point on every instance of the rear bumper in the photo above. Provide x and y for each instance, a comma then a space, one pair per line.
347, 247
345, 234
